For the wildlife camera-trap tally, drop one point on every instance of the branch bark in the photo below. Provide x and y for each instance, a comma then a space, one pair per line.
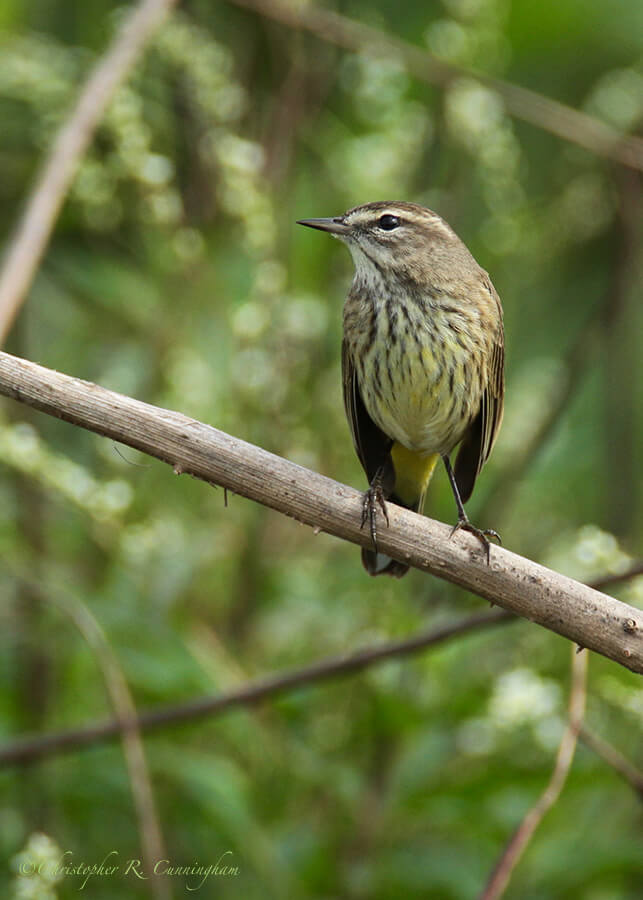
573, 610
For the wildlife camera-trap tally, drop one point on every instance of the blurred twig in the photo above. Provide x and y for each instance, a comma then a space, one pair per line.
28, 750
36, 223
606, 326
622, 354
575, 365
633, 571
559, 603
550, 115
614, 758
577, 361
130, 731
515, 848
32, 661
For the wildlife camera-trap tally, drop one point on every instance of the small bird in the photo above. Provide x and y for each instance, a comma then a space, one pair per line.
422, 360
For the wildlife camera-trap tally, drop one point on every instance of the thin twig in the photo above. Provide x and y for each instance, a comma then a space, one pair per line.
604, 581
501, 874
37, 221
550, 115
614, 758
130, 731
561, 604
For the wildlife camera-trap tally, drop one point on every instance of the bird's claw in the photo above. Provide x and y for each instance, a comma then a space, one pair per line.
483, 534
373, 497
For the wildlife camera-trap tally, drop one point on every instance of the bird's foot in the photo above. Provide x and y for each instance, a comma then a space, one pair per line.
483, 535
373, 498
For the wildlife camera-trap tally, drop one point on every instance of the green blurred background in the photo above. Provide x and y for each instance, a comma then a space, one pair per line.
176, 275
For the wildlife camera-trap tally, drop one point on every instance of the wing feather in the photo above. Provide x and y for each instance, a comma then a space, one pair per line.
478, 442
371, 444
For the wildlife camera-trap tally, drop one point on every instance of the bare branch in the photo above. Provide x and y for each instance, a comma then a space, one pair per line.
27, 750
34, 228
550, 115
583, 615
499, 880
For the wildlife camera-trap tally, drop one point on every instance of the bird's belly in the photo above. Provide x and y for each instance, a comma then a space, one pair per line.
419, 395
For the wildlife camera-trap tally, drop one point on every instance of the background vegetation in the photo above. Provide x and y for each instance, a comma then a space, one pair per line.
177, 275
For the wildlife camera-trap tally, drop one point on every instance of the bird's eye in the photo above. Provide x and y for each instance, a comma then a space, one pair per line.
388, 222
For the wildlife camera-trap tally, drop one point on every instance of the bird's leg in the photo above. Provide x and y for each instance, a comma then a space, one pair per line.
373, 497
463, 522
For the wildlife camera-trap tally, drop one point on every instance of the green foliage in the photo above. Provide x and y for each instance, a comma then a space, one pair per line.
176, 275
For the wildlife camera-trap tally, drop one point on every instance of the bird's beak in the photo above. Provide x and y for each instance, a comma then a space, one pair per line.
333, 226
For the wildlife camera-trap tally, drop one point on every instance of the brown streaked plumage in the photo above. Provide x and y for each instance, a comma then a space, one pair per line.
422, 359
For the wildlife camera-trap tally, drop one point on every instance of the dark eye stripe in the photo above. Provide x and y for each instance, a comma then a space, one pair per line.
388, 222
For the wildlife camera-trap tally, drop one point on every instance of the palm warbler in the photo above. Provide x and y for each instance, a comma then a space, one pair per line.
422, 360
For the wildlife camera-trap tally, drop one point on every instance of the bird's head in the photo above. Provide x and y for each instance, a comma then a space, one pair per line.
392, 237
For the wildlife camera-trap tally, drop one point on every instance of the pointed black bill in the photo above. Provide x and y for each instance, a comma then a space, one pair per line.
333, 226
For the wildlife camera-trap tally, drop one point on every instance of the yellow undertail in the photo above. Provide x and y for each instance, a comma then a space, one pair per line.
412, 475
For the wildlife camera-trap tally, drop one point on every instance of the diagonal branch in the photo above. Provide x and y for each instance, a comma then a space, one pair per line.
559, 603
543, 112
614, 758
27, 750
34, 228
634, 569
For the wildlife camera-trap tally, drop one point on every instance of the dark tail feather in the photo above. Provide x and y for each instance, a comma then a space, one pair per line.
380, 563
